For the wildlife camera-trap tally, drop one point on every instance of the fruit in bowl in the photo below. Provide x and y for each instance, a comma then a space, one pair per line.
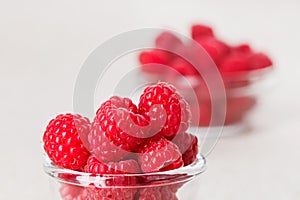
239, 66
127, 145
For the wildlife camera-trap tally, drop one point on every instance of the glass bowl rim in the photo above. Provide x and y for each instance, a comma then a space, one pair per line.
84, 179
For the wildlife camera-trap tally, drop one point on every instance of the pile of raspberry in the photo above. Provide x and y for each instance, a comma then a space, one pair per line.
234, 62
228, 58
125, 138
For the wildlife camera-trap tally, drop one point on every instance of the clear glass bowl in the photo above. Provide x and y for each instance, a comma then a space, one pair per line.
73, 185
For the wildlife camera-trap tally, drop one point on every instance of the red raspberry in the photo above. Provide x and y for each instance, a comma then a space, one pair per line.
234, 63
183, 67
62, 141
96, 167
259, 60
200, 31
174, 165
157, 154
152, 61
102, 147
188, 146
242, 48
158, 193
123, 167
215, 48
167, 41
155, 56
117, 130
72, 192
177, 110
113, 193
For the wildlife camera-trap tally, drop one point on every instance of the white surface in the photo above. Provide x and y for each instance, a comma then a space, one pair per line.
43, 44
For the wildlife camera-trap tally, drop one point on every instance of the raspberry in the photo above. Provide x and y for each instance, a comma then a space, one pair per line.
117, 130
259, 60
72, 192
126, 166
96, 167
243, 60
113, 193
123, 167
102, 147
188, 146
183, 67
242, 48
201, 31
62, 141
152, 61
158, 193
155, 56
177, 110
157, 154
234, 63
167, 41
216, 49
174, 165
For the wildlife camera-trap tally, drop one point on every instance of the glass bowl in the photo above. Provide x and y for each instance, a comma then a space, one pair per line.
73, 185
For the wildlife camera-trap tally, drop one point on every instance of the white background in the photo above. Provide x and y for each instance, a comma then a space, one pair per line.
44, 43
